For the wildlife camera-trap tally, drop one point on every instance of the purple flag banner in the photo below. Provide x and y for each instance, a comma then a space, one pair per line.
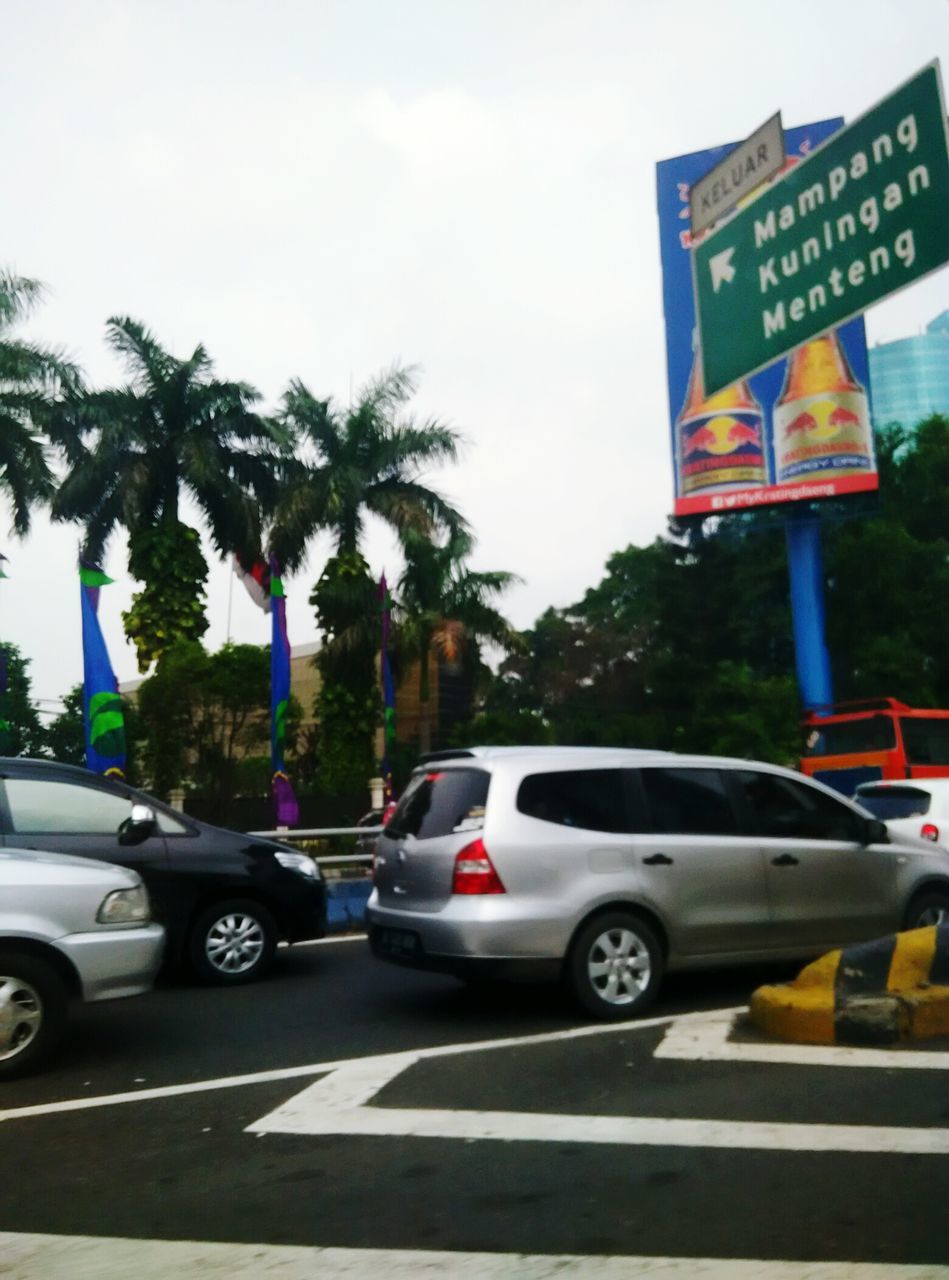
286, 808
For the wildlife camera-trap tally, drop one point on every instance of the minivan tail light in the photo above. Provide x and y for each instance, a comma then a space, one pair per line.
474, 871
929, 831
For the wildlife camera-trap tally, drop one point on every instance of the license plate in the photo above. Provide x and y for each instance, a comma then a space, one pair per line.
399, 942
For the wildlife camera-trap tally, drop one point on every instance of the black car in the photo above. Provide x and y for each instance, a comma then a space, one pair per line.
224, 898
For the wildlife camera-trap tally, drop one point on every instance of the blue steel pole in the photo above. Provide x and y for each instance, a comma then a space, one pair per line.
805, 568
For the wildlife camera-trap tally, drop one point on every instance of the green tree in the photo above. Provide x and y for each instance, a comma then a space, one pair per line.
446, 609
21, 733
204, 716
366, 461
133, 454
30, 376
888, 576
348, 704
65, 737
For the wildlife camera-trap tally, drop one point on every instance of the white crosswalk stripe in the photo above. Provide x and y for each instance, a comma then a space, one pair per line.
60, 1257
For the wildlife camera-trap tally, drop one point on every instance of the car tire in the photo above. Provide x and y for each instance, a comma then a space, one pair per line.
615, 966
33, 1008
232, 942
928, 908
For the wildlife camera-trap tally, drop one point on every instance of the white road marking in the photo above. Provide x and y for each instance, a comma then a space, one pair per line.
338, 1104
325, 942
49, 1257
705, 1039
321, 1068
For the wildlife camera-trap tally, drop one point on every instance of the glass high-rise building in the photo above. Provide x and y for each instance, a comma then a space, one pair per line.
909, 379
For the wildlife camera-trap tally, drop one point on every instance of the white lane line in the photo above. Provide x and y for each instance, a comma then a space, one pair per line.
321, 1068
705, 1039
42, 1257
338, 1105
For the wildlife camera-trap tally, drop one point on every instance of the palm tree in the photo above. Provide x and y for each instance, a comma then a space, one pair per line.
29, 376
446, 609
134, 452
367, 461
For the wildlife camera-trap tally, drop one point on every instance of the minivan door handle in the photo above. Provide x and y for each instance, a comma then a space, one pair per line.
657, 860
785, 860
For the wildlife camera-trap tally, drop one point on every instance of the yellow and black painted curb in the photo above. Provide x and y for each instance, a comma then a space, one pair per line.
894, 988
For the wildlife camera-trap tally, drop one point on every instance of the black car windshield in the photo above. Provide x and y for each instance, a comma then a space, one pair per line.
439, 802
894, 802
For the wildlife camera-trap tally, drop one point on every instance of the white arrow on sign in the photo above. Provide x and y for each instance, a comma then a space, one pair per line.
720, 265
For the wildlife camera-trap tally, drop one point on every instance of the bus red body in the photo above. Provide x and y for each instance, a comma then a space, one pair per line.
854, 742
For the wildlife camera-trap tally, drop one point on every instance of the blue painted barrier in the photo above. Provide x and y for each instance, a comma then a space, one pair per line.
346, 904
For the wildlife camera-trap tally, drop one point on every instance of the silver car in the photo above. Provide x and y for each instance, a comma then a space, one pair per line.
70, 928
613, 867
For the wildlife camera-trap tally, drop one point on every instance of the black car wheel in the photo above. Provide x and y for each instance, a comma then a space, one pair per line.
233, 942
930, 907
615, 966
33, 1006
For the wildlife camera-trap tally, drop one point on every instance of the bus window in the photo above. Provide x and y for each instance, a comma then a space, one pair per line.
926, 739
850, 737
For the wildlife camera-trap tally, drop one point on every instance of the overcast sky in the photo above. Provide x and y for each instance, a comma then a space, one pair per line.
315, 188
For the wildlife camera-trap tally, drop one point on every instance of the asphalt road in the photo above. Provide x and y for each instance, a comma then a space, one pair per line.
535, 1147
320, 1003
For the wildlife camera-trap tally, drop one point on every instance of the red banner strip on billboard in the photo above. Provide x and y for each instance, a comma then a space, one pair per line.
799, 491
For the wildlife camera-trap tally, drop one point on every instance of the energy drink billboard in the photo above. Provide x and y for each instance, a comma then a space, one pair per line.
798, 430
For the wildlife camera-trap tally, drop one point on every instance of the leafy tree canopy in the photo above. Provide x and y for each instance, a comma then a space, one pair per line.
30, 376
21, 733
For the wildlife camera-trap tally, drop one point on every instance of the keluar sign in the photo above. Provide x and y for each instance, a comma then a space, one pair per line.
797, 430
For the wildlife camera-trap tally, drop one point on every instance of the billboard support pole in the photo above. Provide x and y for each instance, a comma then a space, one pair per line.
806, 573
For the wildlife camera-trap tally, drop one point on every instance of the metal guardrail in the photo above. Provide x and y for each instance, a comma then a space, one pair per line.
316, 833
313, 833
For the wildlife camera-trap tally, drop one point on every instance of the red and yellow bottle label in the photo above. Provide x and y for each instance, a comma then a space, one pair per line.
825, 433
721, 450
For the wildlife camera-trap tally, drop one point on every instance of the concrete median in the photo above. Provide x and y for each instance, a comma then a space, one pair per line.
881, 992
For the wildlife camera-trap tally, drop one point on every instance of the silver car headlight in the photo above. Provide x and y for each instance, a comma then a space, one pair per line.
297, 862
125, 906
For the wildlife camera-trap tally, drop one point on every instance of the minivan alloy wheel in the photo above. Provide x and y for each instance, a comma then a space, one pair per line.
618, 966
615, 965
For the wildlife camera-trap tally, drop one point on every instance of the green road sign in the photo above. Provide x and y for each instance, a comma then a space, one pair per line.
864, 216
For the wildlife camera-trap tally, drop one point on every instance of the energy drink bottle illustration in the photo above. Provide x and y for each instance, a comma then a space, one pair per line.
821, 418
719, 438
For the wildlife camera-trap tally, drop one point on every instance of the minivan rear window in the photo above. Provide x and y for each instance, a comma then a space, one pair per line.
441, 801
894, 802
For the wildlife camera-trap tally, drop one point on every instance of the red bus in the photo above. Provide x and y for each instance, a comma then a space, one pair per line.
854, 742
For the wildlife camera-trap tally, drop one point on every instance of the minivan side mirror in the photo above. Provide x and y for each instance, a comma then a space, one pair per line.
875, 832
138, 826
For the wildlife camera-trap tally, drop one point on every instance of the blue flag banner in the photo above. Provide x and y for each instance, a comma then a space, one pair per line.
104, 718
286, 808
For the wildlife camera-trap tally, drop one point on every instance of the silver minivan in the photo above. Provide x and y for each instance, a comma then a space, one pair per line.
613, 867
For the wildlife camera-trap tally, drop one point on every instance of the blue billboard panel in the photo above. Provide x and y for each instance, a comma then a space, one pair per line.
798, 430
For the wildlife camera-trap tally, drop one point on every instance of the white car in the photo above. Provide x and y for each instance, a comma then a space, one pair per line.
916, 807
70, 929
